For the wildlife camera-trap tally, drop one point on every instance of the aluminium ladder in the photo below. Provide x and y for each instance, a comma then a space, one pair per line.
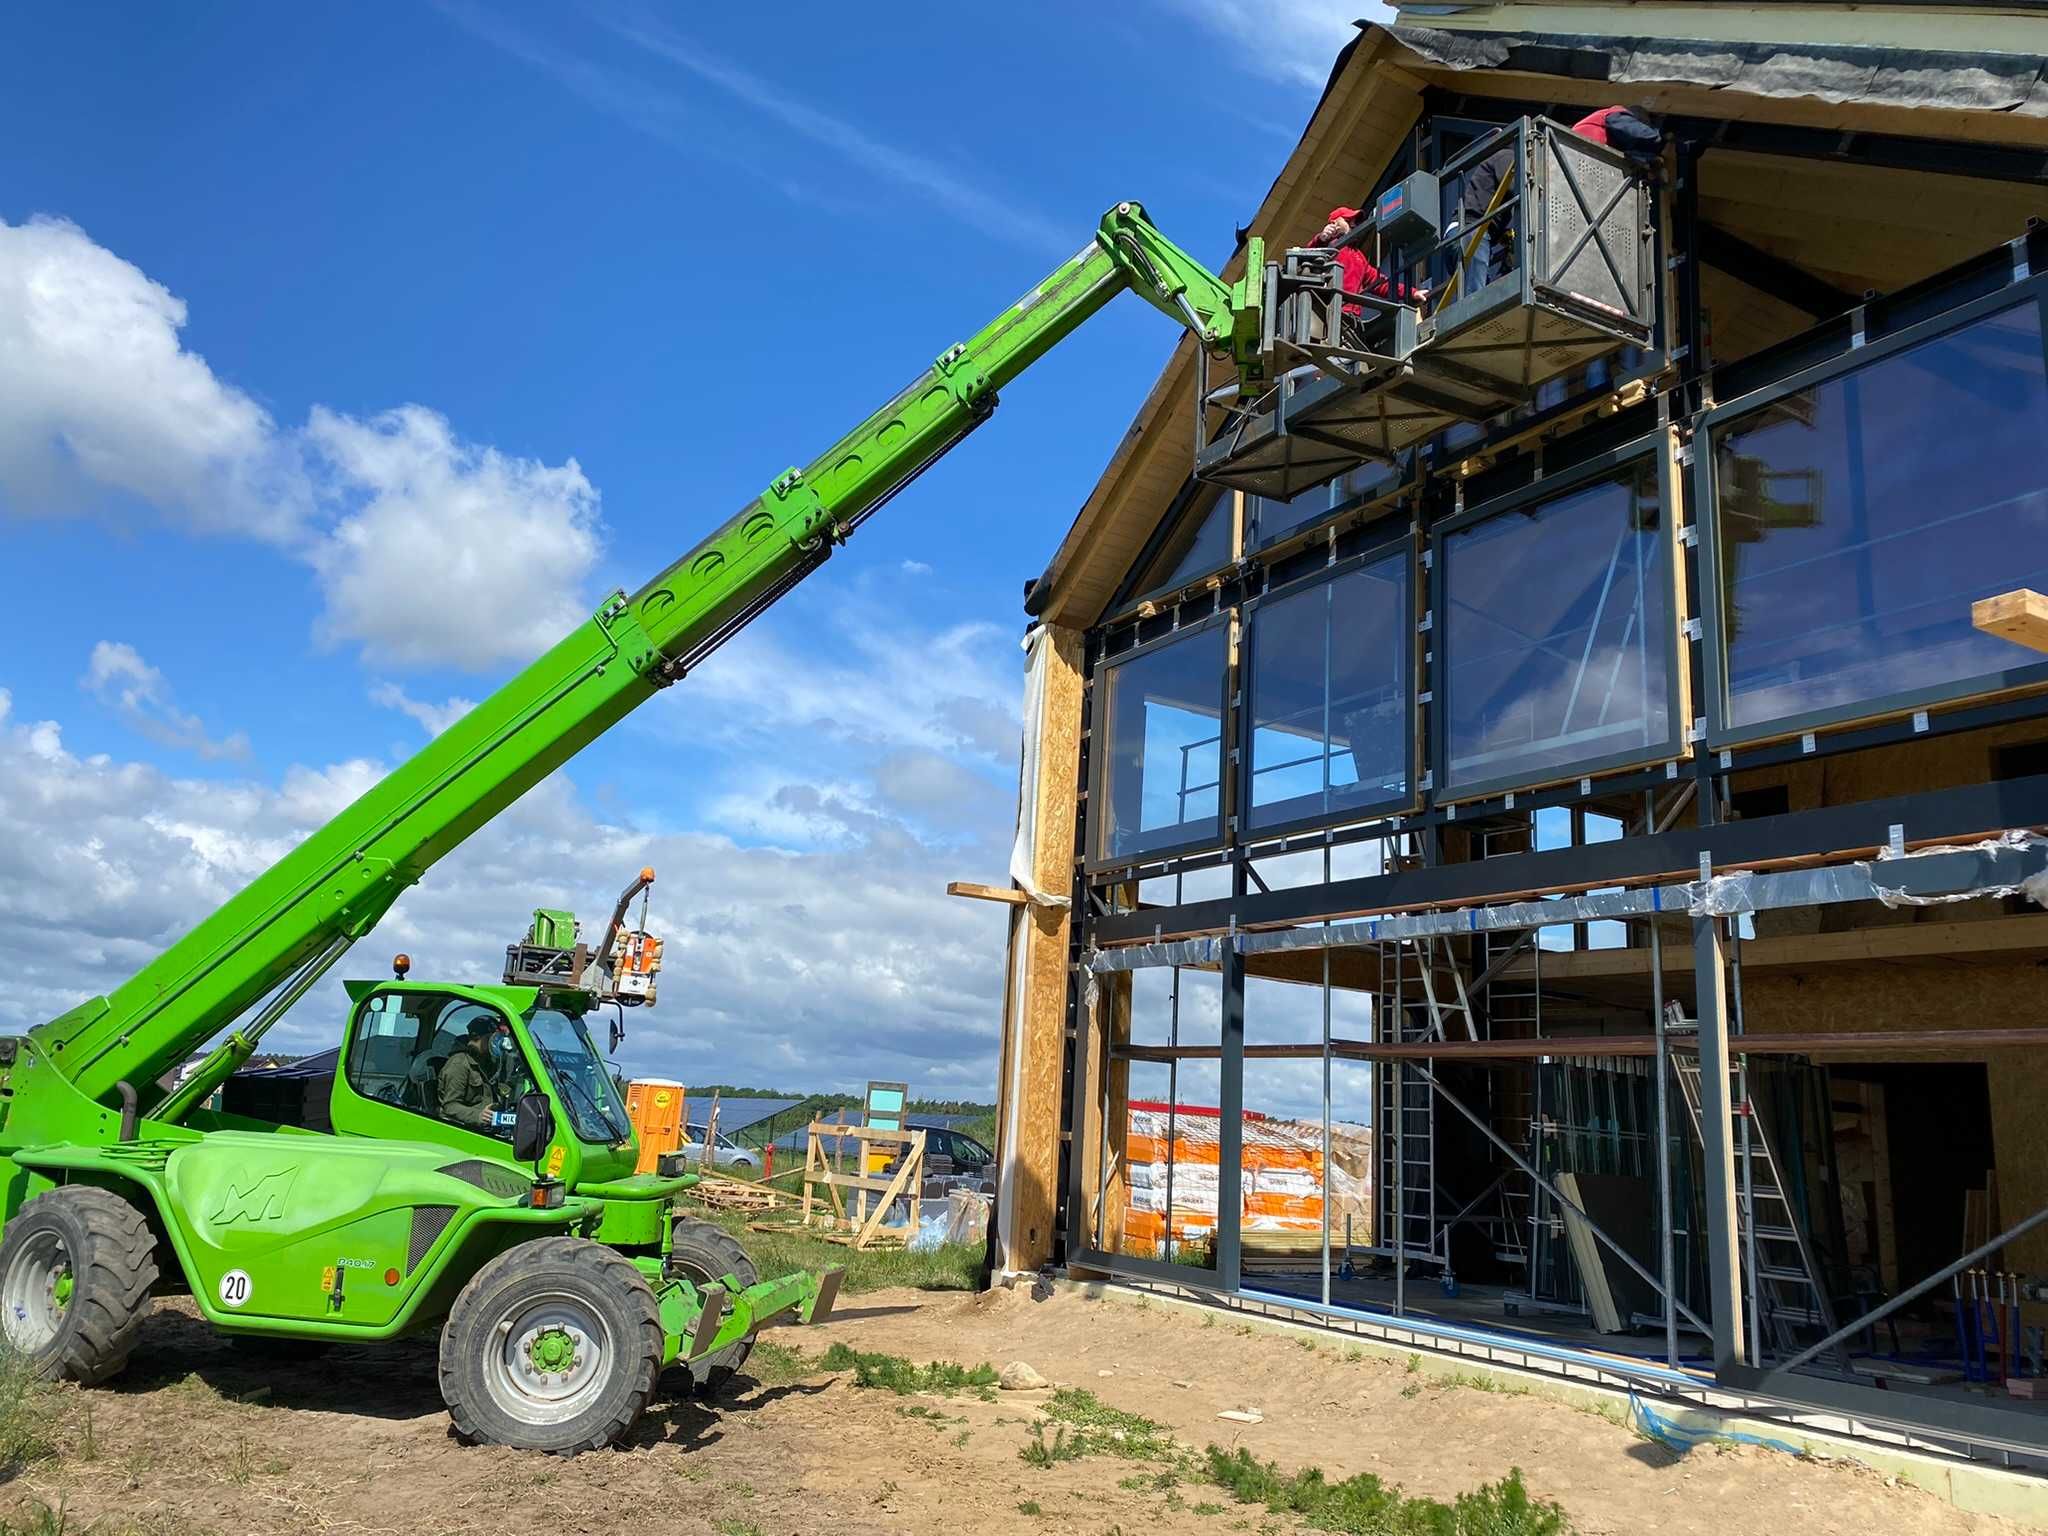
1787, 1288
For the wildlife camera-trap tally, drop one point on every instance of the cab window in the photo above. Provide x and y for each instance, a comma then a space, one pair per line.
401, 1052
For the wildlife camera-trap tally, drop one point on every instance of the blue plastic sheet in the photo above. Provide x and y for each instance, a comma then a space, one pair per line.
1678, 1438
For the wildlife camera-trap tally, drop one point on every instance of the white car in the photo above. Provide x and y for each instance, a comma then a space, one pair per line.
725, 1152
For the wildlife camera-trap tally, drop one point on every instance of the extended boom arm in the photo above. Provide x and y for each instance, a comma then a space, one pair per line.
298, 917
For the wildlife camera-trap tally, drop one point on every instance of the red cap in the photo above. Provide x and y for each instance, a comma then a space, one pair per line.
1348, 215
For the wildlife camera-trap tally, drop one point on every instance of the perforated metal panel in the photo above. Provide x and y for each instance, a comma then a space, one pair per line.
1592, 228
428, 1223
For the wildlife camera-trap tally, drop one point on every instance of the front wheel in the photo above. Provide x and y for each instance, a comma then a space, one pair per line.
553, 1346
76, 1268
704, 1254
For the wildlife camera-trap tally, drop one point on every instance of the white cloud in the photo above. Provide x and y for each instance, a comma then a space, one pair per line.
120, 679
451, 552
1292, 40
426, 548
822, 968
433, 718
916, 568
96, 390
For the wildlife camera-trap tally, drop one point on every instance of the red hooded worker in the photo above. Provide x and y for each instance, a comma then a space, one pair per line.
1360, 275
1632, 130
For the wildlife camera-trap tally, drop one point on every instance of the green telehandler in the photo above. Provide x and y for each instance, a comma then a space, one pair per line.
561, 1282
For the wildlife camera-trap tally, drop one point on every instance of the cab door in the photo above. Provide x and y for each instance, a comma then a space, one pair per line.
387, 1082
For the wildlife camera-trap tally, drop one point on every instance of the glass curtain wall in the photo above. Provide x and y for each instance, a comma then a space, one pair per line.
1159, 773
1857, 519
1558, 634
1331, 696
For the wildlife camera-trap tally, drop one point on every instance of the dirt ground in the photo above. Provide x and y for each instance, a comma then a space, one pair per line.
198, 1437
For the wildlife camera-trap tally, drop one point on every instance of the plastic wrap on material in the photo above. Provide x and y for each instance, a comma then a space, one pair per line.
1144, 957
1885, 872
1724, 895
1024, 848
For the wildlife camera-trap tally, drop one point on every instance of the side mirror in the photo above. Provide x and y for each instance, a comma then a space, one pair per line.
533, 1127
618, 1036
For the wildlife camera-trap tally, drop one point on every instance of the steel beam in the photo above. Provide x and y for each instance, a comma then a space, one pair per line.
1724, 1265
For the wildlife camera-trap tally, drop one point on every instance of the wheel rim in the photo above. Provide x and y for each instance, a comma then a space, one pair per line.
550, 1359
36, 1292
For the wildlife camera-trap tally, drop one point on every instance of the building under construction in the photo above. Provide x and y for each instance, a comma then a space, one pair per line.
1564, 763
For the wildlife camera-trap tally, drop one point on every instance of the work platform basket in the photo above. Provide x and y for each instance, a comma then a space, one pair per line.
1543, 261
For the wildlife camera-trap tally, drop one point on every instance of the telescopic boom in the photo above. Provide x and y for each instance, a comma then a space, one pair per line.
289, 925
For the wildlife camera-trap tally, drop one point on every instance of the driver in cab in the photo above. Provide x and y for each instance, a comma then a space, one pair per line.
466, 1085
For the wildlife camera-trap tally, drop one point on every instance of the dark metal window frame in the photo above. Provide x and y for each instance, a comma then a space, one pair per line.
1247, 664
1672, 748
1722, 734
1099, 760
1186, 506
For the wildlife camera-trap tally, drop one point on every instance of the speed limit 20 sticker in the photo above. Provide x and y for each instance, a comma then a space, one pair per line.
235, 1288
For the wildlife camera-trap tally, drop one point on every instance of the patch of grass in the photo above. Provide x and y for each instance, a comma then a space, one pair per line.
960, 1440
778, 1365
1100, 1430
1365, 1506
27, 1409
1414, 1364
893, 1373
737, 1527
1043, 1453
40, 1520
1206, 1508
1477, 1382
1029, 1507
953, 1267
1354, 1354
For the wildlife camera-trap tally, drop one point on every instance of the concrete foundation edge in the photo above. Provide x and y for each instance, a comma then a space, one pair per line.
1975, 1489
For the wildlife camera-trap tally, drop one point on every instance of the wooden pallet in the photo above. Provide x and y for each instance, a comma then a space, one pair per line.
873, 1194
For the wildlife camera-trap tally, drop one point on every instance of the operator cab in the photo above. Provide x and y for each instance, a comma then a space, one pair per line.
1527, 253
391, 1072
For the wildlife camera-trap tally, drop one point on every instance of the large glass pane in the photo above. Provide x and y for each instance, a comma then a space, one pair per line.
1200, 542
1557, 635
1858, 520
1330, 696
1162, 737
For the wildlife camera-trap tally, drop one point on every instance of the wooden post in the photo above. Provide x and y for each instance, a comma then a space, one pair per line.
1035, 1003
1724, 1253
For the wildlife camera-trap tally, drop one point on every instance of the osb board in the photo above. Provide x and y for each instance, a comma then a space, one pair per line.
2019, 1142
1039, 1009
1916, 994
1875, 773
1742, 320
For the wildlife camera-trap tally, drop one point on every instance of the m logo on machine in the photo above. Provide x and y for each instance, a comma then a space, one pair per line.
262, 1200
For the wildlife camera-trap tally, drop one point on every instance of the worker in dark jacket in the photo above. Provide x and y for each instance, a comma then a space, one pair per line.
464, 1085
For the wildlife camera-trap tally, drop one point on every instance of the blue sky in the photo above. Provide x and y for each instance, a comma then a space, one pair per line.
377, 343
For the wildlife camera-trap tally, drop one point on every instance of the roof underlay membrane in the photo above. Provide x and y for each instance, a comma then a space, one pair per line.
1847, 226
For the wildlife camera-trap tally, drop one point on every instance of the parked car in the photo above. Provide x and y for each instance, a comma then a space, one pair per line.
725, 1152
950, 1151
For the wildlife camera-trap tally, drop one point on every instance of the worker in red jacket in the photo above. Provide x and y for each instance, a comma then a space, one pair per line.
1360, 275
1632, 130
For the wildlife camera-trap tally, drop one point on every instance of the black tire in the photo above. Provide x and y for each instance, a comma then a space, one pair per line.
704, 1254
549, 1301
101, 1245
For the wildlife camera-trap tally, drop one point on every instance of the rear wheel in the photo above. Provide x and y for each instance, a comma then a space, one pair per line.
704, 1254
553, 1346
76, 1268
